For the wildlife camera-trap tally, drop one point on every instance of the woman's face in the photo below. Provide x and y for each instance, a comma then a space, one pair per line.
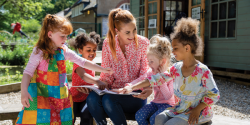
89, 51
127, 33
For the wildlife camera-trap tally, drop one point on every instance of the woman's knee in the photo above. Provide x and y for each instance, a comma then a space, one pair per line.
108, 102
93, 99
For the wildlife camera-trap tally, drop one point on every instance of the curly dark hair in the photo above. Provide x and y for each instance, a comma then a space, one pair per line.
186, 31
83, 39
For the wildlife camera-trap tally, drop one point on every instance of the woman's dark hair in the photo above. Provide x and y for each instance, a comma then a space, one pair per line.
83, 39
186, 31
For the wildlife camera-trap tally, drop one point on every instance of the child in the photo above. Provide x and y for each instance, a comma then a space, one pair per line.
194, 86
86, 45
44, 79
158, 55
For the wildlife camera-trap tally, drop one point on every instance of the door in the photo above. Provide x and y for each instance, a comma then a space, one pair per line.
196, 10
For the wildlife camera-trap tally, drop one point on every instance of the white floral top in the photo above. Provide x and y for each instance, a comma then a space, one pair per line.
190, 91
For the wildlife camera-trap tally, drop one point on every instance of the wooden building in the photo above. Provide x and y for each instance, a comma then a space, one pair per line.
224, 29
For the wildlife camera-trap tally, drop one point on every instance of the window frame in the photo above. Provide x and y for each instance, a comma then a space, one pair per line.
221, 20
141, 17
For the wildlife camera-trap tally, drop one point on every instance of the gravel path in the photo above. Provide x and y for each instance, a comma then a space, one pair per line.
234, 102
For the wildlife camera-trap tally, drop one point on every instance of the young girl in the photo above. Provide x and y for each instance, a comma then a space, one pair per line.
194, 86
158, 54
86, 45
44, 88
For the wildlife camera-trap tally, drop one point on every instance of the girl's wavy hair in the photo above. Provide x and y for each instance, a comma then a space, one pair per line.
161, 47
186, 31
116, 18
52, 23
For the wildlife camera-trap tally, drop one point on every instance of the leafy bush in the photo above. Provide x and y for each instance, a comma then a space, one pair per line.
10, 78
16, 57
30, 26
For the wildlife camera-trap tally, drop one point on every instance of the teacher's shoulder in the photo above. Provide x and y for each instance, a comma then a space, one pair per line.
143, 41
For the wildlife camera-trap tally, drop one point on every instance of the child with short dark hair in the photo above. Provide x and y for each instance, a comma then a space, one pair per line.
86, 45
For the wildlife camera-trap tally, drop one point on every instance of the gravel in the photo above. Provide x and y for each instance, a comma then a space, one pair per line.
234, 102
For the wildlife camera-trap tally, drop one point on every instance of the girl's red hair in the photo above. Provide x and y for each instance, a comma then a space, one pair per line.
55, 24
116, 18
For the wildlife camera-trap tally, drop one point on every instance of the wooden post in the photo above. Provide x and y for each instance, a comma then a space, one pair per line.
158, 16
146, 18
189, 8
203, 29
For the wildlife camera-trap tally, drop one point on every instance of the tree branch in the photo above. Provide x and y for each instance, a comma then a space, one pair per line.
4, 3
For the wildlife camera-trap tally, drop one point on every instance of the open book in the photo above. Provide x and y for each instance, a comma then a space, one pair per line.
105, 91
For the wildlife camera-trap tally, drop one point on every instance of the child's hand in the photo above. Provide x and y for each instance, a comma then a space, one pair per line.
84, 90
25, 96
194, 116
108, 70
144, 94
101, 85
127, 90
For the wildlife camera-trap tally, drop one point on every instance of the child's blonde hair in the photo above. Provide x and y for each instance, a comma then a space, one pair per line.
160, 47
55, 24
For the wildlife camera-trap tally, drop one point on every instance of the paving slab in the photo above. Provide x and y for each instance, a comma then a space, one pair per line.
223, 120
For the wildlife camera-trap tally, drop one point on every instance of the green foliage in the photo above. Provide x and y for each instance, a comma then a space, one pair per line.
30, 26
55, 7
7, 78
69, 67
24, 8
17, 56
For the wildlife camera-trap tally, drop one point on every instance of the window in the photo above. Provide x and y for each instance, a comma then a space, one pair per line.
125, 6
141, 18
223, 19
152, 14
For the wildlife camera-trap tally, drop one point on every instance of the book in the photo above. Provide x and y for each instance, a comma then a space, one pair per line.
105, 91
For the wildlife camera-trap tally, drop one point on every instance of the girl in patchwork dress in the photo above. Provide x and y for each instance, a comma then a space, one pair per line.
44, 87
194, 87
158, 54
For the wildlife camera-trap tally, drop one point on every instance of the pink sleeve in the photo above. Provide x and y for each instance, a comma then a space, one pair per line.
106, 62
167, 90
144, 63
73, 57
34, 61
144, 76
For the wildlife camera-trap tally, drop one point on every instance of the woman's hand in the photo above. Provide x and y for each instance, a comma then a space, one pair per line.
84, 90
25, 96
144, 94
194, 116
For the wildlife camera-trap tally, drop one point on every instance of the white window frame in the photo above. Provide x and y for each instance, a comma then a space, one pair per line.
125, 6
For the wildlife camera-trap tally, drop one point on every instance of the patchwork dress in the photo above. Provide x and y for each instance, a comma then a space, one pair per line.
189, 91
52, 104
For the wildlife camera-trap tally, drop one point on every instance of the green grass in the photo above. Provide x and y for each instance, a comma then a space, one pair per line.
7, 79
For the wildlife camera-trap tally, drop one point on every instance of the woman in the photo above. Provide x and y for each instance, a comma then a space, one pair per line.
125, 52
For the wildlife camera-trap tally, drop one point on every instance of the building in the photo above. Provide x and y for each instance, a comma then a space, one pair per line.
92, 15
224, 29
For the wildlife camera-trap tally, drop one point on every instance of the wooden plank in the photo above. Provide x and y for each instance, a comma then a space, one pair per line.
215, 63
243, 17
9, 115
231, 74
226, 52
235, 81
243, 31
243, 24
244, 10
243, 3
228, 45
230, 59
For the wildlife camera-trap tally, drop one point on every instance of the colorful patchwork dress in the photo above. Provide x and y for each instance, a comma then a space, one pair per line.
190, 91
52, 104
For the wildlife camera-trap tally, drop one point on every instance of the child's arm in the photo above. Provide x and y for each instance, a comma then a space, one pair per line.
25, 96
141, 84
90, 79
210, 98
73, 57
